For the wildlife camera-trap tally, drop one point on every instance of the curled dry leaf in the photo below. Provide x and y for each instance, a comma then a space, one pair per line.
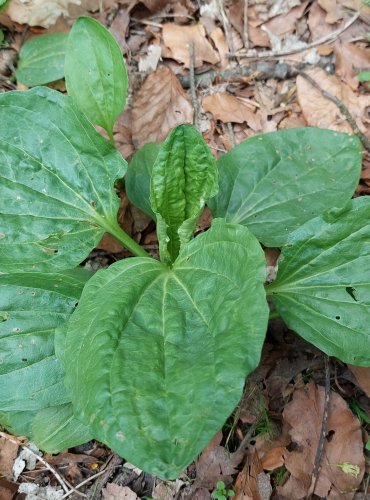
160, 105
350, 59
45, 14
231, 109
177, 40
363, 377
321, 112
342, 463
8, 453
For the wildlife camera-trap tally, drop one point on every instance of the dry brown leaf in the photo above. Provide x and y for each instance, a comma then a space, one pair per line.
343, 448
363, 377
286, 23
231, 109
160, 105
177, 40
115, 492
274, 458
150, 61
8, 453
350, 59
219, 40
214, 464
252, 483
320, 112
119, 27
317, 24
333, 9
41, 13
8, 489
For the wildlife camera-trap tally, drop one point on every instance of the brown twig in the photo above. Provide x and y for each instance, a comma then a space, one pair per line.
245, 25
261, 70
193, 93
342, 108
226, 26
324, 422
253, 54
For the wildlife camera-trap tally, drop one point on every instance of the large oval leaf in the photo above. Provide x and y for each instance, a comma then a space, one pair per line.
156, 358
56, 179
95, 72
273, 183
41, 59
33, 399
322, 290
184, 175
139, 172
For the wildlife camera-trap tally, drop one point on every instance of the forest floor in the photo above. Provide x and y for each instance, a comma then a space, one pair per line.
234, 69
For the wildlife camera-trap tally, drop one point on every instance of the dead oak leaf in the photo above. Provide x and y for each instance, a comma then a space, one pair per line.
160, 105
8, 454
177, 40
45, 14
321, 112
362, 376
115, 492
231, 109
350, 59
343, 448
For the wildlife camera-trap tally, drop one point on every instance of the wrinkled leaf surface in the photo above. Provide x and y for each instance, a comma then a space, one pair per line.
56, 180
137, 180
95, 72
273, 183
156, 358
184, 176
322, 290
41, 59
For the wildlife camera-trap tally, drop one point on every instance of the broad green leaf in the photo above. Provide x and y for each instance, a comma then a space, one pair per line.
184, 176
56, 181
273, 183
138, 175
19, 423
95, 72
55, 429
156, 357
41, 59
322, 290
32, 305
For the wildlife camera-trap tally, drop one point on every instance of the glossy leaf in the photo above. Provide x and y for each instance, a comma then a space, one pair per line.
184, 176
95, 72
56, 180
32, 305
156, 357
322, 290
273, 183
41, 59
138, 177
55, 428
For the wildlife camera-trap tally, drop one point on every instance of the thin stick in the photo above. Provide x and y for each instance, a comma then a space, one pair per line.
226, 26
87, 480
193, 94
342, 108
324, 422
245, 26
253, 54
58, 477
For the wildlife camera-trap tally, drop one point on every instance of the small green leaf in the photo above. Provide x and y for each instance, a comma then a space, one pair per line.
96, 75
156, 357
364, 76
273, 183
322, 290
41, 59
57, 177
184, 176
34, 304
138, 177
55, 428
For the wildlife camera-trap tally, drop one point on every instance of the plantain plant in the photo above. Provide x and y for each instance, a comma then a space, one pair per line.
150, 356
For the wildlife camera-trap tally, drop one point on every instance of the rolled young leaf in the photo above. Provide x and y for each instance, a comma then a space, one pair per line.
32, 305
273, 183
56, 180
95, 72
41, 59
184, 176
322, 290
137, 179
156, 357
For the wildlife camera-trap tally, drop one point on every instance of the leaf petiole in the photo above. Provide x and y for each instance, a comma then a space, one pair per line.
115, 230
